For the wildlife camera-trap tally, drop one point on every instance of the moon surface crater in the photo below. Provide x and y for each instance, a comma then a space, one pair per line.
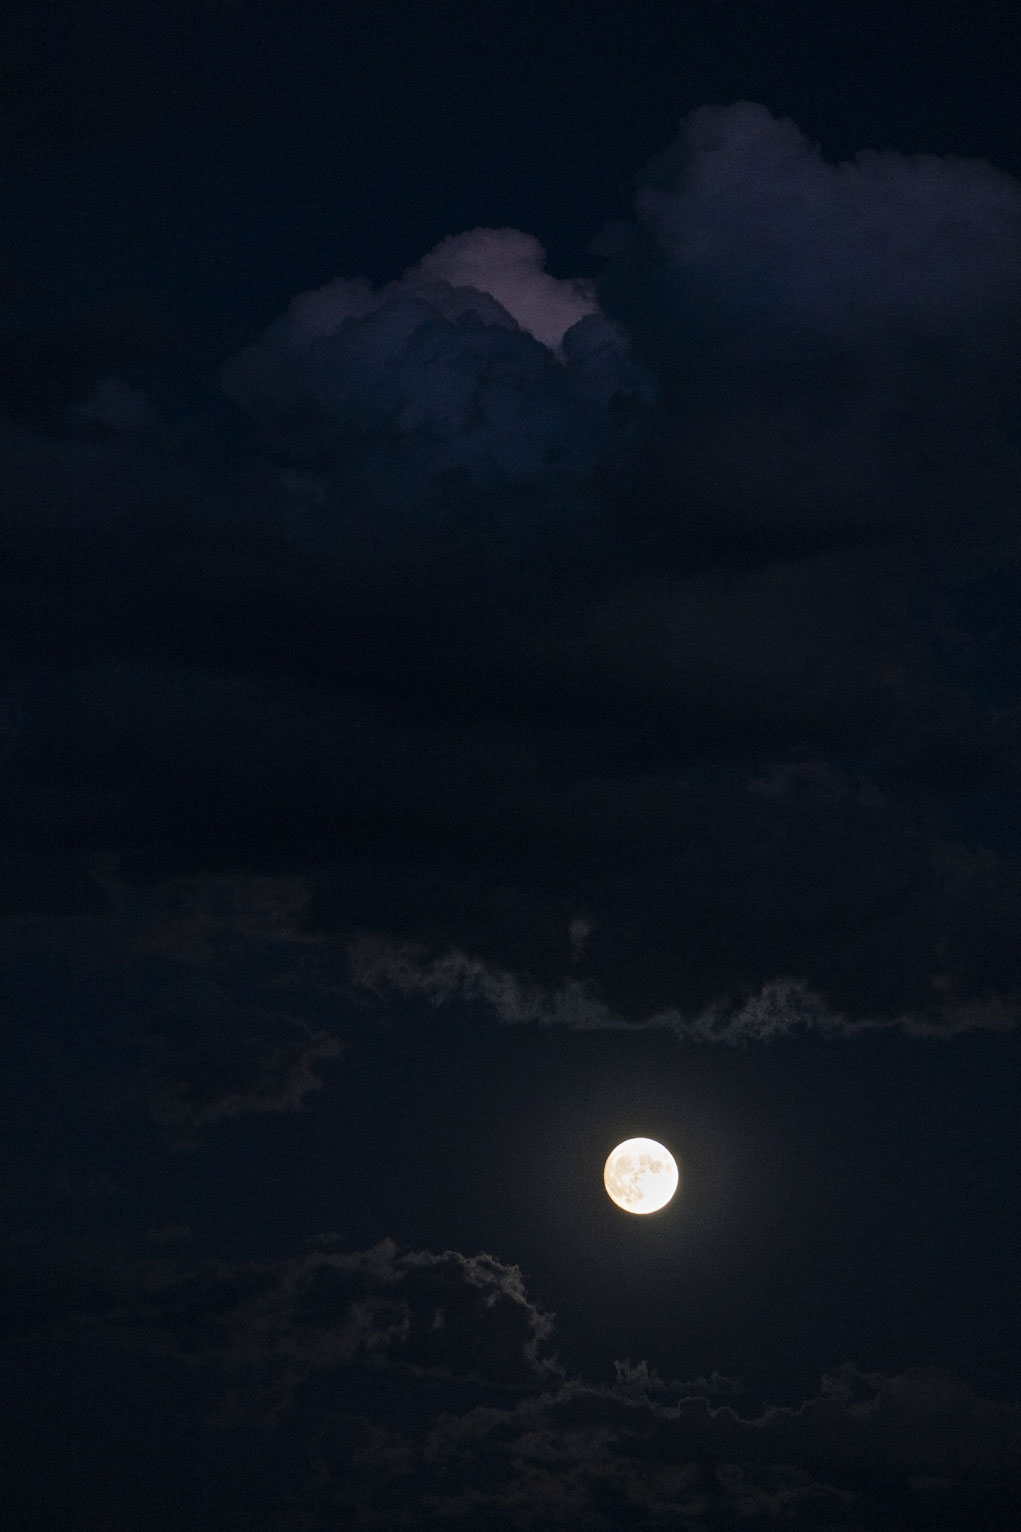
640, 1175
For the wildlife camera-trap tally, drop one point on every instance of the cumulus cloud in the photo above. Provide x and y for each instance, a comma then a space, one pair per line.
630, 651
633, 651
745, 212
498, 275
511, 267
836, 340
452, 366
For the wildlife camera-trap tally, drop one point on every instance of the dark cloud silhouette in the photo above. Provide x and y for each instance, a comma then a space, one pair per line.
515, 1442
746, 211
837, 341
592, 1457
675, 601
462, 658
476, 362
265, 1327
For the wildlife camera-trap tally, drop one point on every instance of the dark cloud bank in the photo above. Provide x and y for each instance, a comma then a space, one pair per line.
675, 605
493, 1434
629, 651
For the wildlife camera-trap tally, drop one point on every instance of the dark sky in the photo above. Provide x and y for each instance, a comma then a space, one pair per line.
511, 608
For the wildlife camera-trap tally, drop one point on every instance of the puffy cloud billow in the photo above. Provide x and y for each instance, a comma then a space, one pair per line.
678, 600
747, 215
475, 360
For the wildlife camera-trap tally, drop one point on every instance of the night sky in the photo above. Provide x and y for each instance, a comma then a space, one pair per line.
510, 640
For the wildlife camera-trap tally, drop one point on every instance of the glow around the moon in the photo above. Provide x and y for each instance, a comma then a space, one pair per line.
640, 1176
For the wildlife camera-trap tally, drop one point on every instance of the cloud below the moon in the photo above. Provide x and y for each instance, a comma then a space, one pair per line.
510, 1435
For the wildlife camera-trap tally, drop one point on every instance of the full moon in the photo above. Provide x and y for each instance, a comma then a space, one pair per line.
640, 1176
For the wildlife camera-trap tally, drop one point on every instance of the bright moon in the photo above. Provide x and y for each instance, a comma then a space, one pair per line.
640, 1176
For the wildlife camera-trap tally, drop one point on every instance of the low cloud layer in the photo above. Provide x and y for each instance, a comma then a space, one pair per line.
590, 1458
509, 1440
622, 647
264, 1328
